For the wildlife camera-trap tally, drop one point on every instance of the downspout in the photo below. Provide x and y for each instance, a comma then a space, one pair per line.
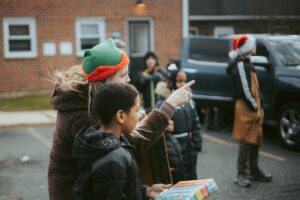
185, 18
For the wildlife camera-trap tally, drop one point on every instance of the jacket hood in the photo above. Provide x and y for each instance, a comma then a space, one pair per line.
70, 100
162, 90
91, 144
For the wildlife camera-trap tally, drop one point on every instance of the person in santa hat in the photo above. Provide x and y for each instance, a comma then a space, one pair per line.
249, 114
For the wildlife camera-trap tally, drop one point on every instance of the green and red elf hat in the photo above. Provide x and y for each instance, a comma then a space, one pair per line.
103, 60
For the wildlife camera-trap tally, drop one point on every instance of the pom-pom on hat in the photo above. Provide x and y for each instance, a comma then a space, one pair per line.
103, 60
242, 45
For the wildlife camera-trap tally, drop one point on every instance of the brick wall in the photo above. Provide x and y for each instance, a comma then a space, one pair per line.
55, 22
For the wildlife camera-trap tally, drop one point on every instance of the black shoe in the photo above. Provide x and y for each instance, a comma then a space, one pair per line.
260, 176
242, 181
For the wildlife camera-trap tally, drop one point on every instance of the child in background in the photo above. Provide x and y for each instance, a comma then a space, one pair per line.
186, 122
174, 154
148, 79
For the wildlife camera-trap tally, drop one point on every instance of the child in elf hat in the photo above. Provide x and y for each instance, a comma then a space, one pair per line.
148, 79
187, 129
72, 97
249, 114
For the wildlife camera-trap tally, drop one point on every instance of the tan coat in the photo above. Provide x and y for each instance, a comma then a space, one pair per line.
248, 124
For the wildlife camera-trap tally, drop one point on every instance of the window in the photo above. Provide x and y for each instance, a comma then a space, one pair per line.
220, 31
287, 51
140, 37
194, 30
209, 50
89, 32
19, 35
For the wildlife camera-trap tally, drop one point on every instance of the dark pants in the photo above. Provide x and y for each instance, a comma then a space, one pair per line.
189, 154
248, 158
213, 118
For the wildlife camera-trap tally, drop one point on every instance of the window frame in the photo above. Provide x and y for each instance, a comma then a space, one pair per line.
209, 62
31, 22
151, 34
100, 21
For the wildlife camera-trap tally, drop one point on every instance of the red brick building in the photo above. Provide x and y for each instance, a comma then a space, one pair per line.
38, 37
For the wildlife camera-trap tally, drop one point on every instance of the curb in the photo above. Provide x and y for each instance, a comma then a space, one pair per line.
27, 118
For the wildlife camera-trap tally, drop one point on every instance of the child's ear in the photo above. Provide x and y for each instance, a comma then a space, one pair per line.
121, 116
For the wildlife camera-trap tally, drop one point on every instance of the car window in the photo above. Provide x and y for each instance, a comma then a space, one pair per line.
287, 51
209, 50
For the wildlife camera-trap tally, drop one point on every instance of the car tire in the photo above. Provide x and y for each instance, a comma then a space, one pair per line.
288, 117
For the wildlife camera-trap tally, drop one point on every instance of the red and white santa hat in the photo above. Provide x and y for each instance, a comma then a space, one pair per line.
242, 45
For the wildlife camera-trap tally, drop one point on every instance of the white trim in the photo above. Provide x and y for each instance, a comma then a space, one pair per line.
189, 70
152, 33
247, 47
31, 22
214, 64
181, 135
211, 97
245, 85
185, 18
238, 17
100, 21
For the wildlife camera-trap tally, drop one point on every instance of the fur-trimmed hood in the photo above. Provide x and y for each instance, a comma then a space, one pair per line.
162, 90
69, 100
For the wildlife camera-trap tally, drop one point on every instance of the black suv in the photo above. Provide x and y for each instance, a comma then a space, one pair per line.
277, 62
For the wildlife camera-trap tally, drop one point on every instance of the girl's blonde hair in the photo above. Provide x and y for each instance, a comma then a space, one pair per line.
69, 80
72, 80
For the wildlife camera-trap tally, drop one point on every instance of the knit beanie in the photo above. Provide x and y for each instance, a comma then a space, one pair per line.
242, 45
103, 60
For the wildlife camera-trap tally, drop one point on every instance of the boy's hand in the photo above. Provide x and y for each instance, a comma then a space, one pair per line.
156, 189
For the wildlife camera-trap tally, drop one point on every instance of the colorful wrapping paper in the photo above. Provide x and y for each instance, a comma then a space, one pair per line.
189, 190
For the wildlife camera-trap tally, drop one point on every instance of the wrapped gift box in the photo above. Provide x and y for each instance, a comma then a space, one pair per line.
189, 190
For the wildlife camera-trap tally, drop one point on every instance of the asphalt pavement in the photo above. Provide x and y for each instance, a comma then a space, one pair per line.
24, 157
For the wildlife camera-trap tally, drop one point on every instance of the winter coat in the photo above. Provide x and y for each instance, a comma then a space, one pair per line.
146, 83
248, 120
186, 121
241, 91
175, 158
108, 169
72, 115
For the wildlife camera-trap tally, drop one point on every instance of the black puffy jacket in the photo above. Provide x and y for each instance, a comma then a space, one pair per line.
186, 120
175, 158
240, 72
108, 169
